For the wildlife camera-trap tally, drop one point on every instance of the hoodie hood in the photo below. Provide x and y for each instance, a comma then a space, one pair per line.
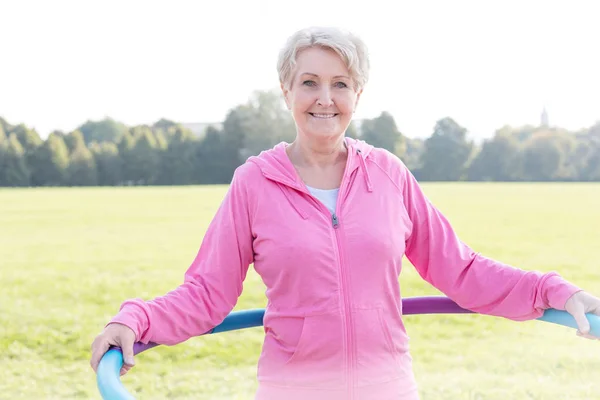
276, 165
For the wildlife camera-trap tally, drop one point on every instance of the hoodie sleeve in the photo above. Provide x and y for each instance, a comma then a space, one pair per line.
212, 284
474, 282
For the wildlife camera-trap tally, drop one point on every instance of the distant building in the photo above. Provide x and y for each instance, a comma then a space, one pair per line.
545, 122
199, 128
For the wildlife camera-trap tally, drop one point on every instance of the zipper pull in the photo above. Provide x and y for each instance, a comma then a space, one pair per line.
335, 220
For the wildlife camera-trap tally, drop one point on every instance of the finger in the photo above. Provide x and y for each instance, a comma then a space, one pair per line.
124, 369
100, 347
582, 322
127, 348
595, 321
587, 336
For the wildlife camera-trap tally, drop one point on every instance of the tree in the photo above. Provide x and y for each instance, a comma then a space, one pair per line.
521, 134
413, 154
3, 136
234, 134
106, 130
594, 130
144, 156
251, 128
498, 160
543, 157
587, 153
260, 123
161, 140
382, 132
446, 152
29, 138
6, 127
164, 125
82, 167
49, 163
127, 159
212, 162
585, 156
13, 166
74, 140
30, 141
108, 163
352, 131
593, 165
178, 159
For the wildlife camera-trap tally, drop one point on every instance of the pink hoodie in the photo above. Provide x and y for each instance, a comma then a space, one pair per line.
333, 324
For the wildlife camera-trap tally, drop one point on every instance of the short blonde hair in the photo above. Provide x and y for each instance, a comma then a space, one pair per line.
350, 48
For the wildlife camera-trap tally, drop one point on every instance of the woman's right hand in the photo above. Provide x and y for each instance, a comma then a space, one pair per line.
114, 335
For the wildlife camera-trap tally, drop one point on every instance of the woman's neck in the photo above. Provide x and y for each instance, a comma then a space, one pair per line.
307, 154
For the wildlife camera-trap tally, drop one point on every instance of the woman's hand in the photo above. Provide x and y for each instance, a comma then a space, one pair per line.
580, 304
114, 335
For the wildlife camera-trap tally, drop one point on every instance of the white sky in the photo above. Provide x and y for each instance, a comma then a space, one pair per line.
484, 63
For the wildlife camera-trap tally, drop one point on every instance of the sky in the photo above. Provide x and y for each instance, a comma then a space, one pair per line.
484, 63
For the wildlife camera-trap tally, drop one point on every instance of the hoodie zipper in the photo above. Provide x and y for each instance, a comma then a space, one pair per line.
335, 222
345, 289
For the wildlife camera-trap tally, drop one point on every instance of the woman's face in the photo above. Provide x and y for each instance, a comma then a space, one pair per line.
321, 94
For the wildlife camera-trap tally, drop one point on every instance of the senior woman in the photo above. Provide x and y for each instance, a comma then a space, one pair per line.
326, 221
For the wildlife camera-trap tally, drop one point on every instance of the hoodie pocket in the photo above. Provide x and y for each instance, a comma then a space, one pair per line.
304, 351
377, 359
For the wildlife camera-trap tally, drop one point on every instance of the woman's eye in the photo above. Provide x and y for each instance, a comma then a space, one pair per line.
309, 83
341, 85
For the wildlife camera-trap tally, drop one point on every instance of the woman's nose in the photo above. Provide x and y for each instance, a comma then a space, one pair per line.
325, 99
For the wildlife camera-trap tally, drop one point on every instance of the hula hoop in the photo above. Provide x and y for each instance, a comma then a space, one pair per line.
108, 374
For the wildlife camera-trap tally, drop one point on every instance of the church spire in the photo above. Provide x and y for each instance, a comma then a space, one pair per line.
544, 120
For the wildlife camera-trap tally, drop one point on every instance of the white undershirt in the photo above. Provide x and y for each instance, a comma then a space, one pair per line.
326, 196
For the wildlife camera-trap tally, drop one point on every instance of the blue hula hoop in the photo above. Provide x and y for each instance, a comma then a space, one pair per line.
108, 374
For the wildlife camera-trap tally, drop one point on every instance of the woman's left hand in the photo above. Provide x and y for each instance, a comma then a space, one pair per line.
580, 304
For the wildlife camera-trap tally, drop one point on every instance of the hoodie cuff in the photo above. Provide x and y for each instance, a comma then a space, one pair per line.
134, 317
558, 291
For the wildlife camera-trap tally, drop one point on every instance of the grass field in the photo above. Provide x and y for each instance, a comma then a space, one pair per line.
69, 257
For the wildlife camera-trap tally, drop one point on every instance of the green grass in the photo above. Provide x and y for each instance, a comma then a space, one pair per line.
69, 257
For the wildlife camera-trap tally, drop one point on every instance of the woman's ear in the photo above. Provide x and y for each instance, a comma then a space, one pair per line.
285, 95
357, 99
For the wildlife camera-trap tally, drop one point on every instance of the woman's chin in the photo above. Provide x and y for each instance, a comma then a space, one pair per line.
326, 137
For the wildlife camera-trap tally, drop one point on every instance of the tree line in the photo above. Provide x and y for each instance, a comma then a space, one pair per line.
109, 153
